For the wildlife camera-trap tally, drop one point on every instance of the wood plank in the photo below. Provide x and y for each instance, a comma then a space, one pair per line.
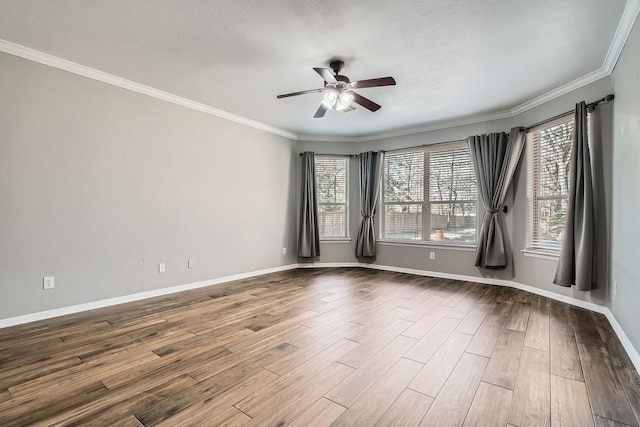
173, 364
474, 319
435, 372
408, 410
606, 394
364, 377
537, 332
518, 317
565, 360
490, 406
210, 409
29, 410
560, 318
569, 403
420, 328
110, 408
288, 404
372, 405
263, 400
463, 308
503, 302
630, 381
452, 403
33, 371
321, 414
422, 306
359, 355
585, 328
605, 422
485, 339
78, 376
505, 359
614, 347
531, 403
431, 342
460, 290
212, 386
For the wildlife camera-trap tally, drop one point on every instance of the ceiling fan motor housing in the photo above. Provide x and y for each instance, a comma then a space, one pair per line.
336, 65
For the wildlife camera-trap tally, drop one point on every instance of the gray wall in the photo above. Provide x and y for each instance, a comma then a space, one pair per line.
625, 270
99, 184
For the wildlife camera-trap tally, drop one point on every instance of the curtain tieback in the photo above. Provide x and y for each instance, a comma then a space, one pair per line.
492, 211
367, 216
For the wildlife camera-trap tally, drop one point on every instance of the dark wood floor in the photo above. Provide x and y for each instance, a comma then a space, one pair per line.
343, 347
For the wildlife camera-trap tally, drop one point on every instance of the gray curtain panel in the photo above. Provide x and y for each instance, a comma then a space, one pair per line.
495, 158
370, 174
577, 262
308, 232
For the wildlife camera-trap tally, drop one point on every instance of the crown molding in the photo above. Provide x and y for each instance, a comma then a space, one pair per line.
629, 16
627, 20
403, 132
72, 67
562, 90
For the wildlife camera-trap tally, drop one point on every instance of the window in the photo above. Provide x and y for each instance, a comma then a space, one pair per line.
429, 194
548, 159
332, 176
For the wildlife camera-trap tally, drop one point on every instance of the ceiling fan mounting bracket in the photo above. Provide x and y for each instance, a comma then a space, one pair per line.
336, 65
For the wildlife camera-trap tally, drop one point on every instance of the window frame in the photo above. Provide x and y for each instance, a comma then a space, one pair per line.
533, 243
426, 204
346, 158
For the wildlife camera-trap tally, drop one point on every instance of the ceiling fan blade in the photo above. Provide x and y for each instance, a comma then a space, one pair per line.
286, 95
321, 111
366, 103
382, 81
326, 74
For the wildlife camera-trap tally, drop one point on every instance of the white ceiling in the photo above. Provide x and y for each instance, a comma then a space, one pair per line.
452, 60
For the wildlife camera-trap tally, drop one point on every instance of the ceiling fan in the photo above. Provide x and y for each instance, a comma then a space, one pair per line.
338, 90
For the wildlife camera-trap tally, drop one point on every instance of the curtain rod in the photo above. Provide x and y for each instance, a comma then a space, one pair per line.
592, 105
399, 149
426, 145
337, 155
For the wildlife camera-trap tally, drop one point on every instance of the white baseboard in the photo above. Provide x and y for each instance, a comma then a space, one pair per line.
43, 315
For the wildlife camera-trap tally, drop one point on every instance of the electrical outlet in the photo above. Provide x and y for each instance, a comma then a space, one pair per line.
190, 263
432, 255
284, 251
161, 268
615, 288
48, 283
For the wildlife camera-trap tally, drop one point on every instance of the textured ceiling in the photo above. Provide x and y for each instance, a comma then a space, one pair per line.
452, 60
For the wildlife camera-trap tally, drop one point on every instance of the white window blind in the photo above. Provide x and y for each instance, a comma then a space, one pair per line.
332, 177
548, 159
429, 194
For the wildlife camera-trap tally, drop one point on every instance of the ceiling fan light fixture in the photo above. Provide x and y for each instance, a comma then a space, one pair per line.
344, 101
330, 98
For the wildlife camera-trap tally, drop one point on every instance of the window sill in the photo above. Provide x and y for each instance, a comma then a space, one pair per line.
336, 240
548, 255
431, 245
